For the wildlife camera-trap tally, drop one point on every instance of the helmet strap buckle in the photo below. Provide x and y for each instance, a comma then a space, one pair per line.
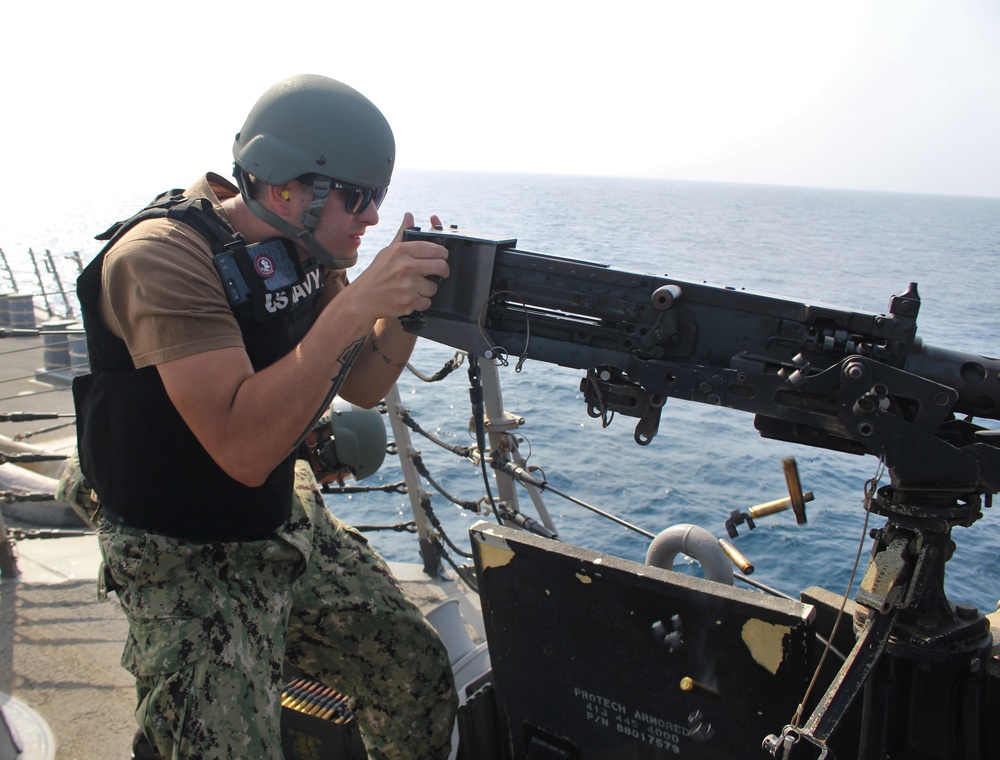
321, 191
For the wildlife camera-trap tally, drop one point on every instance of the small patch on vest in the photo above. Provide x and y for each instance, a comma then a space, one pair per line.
264, 266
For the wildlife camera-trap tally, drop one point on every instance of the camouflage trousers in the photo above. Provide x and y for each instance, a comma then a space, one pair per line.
211, 626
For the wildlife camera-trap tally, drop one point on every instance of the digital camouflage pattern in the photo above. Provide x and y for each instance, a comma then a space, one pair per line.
73, 489
211, 625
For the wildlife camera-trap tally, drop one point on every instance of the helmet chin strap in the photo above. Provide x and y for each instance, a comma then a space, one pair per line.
309, 218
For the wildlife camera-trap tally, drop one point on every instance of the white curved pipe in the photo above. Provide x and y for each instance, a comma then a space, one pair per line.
695, 542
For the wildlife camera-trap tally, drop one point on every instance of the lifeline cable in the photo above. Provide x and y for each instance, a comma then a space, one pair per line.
406, 527
449, 366
425, 505
472, 506
399, 487
463, 451
526, 478
12, 497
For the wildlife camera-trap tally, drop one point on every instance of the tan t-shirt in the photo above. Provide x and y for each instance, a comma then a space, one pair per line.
163, 296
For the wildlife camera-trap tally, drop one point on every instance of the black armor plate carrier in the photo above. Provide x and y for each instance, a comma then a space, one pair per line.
146, 466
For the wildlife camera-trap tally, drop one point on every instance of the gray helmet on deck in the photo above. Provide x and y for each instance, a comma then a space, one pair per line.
313, 126
360, 437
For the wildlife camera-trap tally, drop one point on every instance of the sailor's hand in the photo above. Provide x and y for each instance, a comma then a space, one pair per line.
403, 277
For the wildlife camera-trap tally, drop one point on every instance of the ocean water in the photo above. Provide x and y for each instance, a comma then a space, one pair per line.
850, 249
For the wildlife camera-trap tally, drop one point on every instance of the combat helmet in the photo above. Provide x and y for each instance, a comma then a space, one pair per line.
360, 438
350, 440
314, 127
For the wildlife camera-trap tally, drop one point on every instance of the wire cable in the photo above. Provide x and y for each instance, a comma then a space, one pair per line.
871, 487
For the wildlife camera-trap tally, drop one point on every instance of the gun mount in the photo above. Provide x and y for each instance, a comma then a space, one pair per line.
811, 374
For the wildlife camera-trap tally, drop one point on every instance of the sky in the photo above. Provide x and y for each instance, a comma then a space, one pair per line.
888, 95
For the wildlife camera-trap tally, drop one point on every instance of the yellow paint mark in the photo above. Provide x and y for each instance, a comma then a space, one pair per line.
494, 556
764, 642
584, 578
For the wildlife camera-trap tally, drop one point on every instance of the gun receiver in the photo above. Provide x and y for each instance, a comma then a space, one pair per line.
811, 373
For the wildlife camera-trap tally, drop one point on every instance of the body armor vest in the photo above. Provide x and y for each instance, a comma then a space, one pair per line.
146, 466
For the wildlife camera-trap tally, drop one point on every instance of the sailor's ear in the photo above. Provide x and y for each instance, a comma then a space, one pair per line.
280, 192
283, 199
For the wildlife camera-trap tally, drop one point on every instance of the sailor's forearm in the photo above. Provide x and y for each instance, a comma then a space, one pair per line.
379, 364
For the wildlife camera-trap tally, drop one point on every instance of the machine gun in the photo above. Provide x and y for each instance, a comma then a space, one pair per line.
811, 374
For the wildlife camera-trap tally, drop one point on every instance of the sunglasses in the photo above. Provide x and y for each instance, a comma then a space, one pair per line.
358, 198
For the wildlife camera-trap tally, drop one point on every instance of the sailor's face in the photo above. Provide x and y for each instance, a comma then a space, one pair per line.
339, 231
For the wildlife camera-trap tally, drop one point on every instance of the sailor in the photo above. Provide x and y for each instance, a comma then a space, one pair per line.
220, 323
